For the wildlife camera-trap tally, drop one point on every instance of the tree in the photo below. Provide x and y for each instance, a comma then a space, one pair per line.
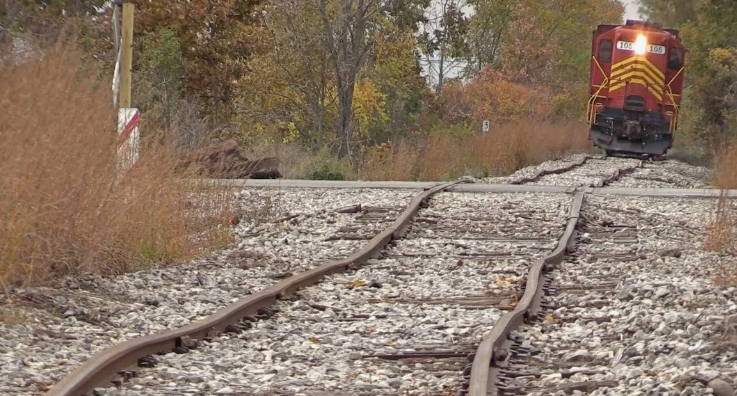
290, 86
347, 26
43, 21
711, 71
218, 38
162, 78
670, 13
444, 35
486, 29
708, 30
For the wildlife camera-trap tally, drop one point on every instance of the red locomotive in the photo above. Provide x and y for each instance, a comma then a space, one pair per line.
636, 83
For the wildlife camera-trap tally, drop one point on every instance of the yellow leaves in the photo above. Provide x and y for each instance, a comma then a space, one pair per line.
292, 134
505, 281
723, 59
550, 319
356, 284
368, 106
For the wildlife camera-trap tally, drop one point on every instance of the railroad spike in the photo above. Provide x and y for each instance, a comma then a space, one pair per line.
147, 361
265, 311
233, 329
180, 350
190, 343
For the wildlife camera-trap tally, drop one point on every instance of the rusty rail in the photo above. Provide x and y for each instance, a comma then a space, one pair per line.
556, 171
106, 364
495, 347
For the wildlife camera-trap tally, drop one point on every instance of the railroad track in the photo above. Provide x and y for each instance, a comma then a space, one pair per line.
396, 324
586, 170
627, 311
441, 287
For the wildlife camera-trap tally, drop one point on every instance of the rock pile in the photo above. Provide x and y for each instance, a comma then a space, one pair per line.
225, 161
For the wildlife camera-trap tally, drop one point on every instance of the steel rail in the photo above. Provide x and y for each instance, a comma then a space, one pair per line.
664, 192
106, 364
544, 172
494, 348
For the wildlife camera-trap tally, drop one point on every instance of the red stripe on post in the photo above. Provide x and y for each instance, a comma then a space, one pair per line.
132, 124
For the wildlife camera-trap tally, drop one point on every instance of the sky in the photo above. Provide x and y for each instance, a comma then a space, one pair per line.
630, 11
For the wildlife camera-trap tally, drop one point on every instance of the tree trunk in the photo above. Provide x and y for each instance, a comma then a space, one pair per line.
441, 71
344, 120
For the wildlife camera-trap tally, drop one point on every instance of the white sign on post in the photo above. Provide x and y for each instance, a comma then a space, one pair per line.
485, 127
129, 140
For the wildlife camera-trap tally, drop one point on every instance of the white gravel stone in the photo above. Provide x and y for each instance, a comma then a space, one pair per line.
668, 326
657, 174
439, 288
67, 325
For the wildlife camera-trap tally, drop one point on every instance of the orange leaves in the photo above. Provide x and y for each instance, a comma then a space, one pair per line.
493, 96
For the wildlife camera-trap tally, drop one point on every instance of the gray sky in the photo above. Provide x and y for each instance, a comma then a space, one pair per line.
630, 10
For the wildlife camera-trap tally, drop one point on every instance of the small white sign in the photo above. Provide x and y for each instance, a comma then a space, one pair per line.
630, 46
485, 126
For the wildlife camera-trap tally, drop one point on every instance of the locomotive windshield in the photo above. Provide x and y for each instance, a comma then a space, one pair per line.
605, 51
675, 58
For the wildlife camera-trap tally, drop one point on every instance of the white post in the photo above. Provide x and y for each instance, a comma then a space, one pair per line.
485, 127
116, 42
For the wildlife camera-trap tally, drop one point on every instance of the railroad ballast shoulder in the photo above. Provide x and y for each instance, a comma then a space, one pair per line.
637, 72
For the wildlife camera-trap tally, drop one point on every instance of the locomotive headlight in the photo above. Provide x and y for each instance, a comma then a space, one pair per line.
640, 44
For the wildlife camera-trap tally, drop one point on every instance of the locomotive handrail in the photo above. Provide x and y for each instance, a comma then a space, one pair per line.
592, 101
671, 96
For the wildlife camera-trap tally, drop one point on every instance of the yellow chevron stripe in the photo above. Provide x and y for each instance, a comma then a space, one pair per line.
658, 95
644, 76
655, 73
637, 69
642, 59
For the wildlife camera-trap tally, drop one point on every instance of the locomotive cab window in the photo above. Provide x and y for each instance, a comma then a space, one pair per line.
675, 58
605, 51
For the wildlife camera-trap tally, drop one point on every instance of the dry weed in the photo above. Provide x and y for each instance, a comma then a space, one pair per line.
506, 149
721, 233
62, 210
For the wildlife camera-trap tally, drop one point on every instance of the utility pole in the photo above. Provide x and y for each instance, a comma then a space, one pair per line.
126, 61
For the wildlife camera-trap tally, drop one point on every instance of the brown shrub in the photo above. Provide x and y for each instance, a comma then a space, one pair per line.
721, 234
63, 211
725, 167
506, 149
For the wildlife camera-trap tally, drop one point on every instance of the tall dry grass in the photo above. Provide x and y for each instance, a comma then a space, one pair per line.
721, 233
61, 208
504, 150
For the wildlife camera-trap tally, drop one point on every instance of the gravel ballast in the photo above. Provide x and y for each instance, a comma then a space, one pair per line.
286, 231
637, 173
637, 309
65, 326
441, 288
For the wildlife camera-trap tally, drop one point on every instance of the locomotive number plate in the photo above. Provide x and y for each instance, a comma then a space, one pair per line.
630, 46
656, 49
626, 45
